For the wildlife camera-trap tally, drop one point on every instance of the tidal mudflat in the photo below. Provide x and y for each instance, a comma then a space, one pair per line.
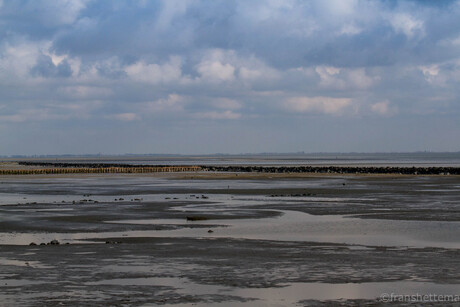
227, 239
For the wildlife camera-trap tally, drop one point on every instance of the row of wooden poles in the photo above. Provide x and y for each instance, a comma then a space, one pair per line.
100, 170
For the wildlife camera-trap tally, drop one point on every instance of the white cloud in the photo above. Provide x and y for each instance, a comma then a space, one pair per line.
61, 110
384, 108
247, 73
219, 65
34, 114
433, 75
218, 115
258, 11
456, 41
257, 71
349, 29
173, 102
154, 73
339, 7
432, 70
171, 9
407, 24
17, 60
64, 11
84, 92
358, 78
225, 103
326, 71
216, 71
327, 75
341, 78
327, 105
125, 116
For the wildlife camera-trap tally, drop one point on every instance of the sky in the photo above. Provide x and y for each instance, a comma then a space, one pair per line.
203, 77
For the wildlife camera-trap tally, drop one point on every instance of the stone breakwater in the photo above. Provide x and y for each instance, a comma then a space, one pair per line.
338, 170
68, 168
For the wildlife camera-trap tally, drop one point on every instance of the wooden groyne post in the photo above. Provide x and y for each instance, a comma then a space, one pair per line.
100, 170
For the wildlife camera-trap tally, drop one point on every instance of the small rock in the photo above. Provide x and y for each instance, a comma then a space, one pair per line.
196, 218
210, 231
32, 244
54, 242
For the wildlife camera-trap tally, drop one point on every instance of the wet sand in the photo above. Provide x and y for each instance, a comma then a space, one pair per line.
261, 240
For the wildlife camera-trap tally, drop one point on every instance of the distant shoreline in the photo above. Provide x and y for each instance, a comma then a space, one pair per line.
29, 167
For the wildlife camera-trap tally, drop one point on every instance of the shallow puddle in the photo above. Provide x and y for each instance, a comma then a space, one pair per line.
30, 264
290, 226
298, 226
291, 293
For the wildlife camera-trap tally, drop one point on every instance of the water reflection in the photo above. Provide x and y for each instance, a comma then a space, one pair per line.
290, 226
293, 292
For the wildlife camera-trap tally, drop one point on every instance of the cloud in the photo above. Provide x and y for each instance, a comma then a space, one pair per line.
156, 73
215, 71
431, 70
359, 79
218, 65
16, 60
225, 103
218, 115
126, 117
215, 67
80, 92
432, 74
39, 114
326, 105
342, 78
237, 65
349, 29
384, 108
407, 24
46, 68
37, 19
172, 103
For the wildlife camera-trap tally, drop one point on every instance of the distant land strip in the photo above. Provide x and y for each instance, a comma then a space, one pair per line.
68, 168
